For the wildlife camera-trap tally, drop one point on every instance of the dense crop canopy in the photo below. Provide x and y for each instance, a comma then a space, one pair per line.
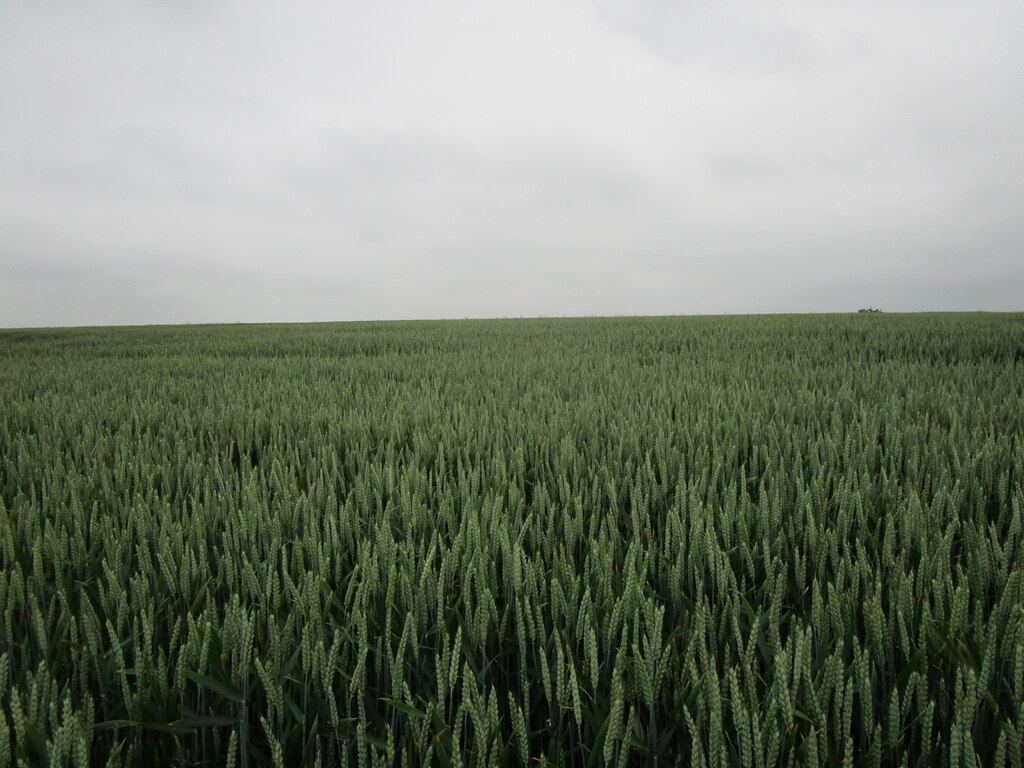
747, 541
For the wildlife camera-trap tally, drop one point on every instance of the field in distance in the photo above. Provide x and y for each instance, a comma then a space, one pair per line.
708, 541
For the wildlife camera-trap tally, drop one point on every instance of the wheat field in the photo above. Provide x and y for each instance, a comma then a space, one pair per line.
694, 541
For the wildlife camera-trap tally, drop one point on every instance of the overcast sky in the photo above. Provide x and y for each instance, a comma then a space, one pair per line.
204, 161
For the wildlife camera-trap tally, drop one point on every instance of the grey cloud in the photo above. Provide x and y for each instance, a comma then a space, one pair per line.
723, 37
214, 162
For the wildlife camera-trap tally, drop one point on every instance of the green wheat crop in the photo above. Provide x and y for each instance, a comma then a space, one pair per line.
746, 541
